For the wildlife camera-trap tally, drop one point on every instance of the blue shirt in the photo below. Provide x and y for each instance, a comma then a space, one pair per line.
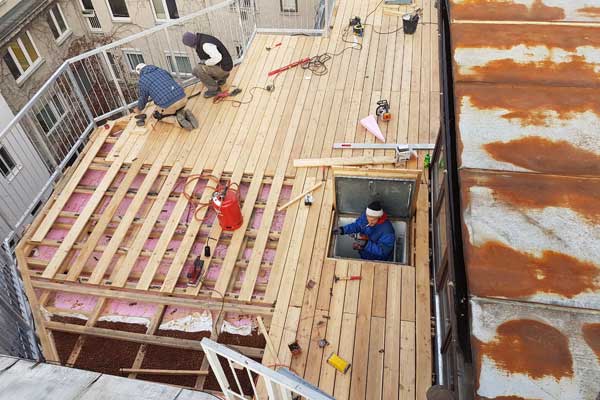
382, 237
158, 84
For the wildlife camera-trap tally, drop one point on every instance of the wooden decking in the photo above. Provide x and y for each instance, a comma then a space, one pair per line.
381, 324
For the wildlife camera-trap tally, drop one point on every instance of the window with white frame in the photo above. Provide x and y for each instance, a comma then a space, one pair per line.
58, 24
51, 114
118, 9
8, 166
22, 57
134, 57
184, 65
289, 5
165, 10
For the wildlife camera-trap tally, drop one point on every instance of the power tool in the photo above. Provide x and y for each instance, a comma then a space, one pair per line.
357, 26
383, 110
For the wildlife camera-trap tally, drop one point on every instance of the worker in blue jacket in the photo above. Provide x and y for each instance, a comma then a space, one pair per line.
376, 236
158, 84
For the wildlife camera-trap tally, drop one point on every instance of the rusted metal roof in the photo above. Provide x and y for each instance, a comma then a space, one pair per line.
528, 134
534, 352
526, 10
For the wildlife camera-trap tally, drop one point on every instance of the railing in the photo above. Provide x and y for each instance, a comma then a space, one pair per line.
282, 384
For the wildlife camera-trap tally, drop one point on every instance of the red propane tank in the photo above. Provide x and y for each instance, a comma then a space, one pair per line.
228, 209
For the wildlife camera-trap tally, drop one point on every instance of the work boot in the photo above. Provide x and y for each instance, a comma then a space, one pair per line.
191, 118
183, 122
212, 93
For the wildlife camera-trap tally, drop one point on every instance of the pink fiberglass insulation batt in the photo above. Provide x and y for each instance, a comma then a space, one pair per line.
268, 256
256, 219
263, 196
129, 309
166, 211
76, 202
286, 193
239, 320
74, 302
105, 149
92, 177
57, 234
137, 182
244, 186
117, 180
278, 220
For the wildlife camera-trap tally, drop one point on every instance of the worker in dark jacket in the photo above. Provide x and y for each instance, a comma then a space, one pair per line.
376, 236
215, 61
167, 94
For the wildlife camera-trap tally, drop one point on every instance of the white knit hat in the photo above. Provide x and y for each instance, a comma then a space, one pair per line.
374, 209
139, 67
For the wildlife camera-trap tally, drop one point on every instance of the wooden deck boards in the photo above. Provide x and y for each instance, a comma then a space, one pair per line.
380, 324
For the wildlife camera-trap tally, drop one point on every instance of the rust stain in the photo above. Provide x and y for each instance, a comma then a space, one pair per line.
530, 347
591, 334
591, 11
531, 104
506, 11
497, 270
548, 72
506, 36
542, 155
522, 190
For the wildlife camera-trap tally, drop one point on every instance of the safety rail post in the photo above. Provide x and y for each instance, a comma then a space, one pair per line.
173, 59
79, 95
116, 81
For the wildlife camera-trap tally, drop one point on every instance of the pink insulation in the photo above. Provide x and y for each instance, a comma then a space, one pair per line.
117, 180
106, 148
116, 132
57, 234
92, 177
103, 204
74, 302
123, 206
140, 265
210, 216
43, 252
263, 196
77, 202
269, 256
286, 193
166, 211
278, 220
239, 320
129, 309
247, 253
256, 218
137, 182
244, 186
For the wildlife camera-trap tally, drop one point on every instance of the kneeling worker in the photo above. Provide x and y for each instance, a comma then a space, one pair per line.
375, 233
167, 94
215, 61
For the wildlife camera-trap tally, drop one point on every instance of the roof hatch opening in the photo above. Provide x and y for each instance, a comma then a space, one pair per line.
354, 189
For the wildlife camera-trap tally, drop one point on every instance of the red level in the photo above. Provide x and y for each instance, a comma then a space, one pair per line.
292, 65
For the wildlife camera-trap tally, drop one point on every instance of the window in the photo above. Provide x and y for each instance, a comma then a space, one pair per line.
289, 5
8, 167
50, 114
118, 9
22, 57
58, 26
114, 64
184, 66
134, 57
165, 9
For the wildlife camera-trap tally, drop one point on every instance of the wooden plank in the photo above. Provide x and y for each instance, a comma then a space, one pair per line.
143, 338
346, 351
352, 291
313, 359
152, 328
140, 371
391, 362
423, 300
45, 336
408, 294
194, 302
334, 327
360, 359
289, 335
407, 360
330, 162
376, 356
380, 283
81, 339
268, 340
64, 195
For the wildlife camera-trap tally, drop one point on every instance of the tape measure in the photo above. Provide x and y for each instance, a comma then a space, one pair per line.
338, 363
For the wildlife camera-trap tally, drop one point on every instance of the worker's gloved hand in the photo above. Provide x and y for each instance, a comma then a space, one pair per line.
357, 246
338, 231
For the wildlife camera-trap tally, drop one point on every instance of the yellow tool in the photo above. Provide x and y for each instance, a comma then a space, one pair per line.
338, 363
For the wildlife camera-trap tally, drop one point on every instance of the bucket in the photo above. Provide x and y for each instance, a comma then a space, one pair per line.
409, 23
